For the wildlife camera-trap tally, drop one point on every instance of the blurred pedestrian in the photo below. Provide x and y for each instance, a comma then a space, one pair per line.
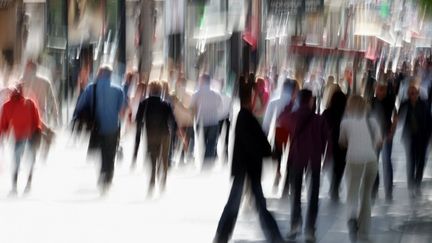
415, 134
333, 115
290, 87
206, 105
158, 118
361, 135
40, 90
383, 108
250, 146
20, 116
106, 101
309, 136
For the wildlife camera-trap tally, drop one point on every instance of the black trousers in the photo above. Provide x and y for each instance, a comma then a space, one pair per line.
230, 213
416, 160
108, 147
296, 179
337, 172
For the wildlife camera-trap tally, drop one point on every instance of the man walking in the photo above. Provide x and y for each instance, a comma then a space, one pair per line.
108, 102
158, 118
309, 136
250, 146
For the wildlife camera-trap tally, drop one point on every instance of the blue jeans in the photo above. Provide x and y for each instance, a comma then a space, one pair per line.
19, 149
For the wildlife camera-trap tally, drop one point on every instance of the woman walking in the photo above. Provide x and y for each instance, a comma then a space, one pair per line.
361, 135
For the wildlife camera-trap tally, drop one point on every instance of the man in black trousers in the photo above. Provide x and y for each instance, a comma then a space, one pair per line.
156, 116
250, 146
415, 135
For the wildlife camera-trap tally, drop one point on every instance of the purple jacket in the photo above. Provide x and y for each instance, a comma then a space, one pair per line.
309, 135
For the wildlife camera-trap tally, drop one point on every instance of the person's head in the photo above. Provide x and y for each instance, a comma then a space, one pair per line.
260, 86
245, 93
381, 91
288, 86
129, 77
17, 91
30, 69
338, 101
104, 72
306, 98
413, 93
356, 106
331, 79
205, 79
155, 88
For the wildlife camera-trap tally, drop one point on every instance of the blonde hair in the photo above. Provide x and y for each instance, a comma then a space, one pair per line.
356, 106
155, 88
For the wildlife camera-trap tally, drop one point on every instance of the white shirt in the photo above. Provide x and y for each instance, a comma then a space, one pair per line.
354, 133
208, 105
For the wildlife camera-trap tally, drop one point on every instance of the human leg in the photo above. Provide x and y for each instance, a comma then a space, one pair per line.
230, 212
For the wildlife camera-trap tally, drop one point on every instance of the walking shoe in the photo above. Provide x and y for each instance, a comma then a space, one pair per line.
310, 236
295, 230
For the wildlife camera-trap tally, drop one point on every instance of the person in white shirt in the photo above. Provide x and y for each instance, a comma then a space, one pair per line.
206, 105
361, 135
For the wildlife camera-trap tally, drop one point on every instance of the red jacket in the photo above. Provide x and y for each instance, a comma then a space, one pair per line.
21, 116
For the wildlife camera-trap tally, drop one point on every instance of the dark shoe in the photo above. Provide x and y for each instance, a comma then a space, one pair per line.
389, 198
310, 236
219, 239
295, 230
353, 229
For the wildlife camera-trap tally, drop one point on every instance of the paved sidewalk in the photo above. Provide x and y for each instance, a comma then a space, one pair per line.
65, 205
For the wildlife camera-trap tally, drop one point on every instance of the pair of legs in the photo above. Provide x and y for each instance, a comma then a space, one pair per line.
19, 148
210, 139
158, 150
296, 179
230, 213
387, 171
108, 147
360, 179
416, 158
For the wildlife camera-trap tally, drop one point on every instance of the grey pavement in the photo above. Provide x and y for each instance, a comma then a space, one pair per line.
65, 206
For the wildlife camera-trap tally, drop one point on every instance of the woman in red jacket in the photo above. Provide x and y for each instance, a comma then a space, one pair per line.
21, 117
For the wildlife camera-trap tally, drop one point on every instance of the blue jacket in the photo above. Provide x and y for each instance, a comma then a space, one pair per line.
109, 101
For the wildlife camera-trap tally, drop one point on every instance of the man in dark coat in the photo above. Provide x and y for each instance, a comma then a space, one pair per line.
415, 134
158, 118
333, 116
309, 136
250, 146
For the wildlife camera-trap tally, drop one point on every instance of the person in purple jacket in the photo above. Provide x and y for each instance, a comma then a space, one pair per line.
309, 136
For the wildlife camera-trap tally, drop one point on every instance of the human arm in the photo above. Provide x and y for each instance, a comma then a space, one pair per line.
139, 124
343, 135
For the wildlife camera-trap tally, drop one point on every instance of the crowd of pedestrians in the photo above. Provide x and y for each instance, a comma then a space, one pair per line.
324, 126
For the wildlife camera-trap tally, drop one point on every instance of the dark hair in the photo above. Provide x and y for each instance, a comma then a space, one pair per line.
205, 78
245, 90
289, 85
305, 96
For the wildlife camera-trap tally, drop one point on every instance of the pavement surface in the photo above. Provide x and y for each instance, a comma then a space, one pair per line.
65, 205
